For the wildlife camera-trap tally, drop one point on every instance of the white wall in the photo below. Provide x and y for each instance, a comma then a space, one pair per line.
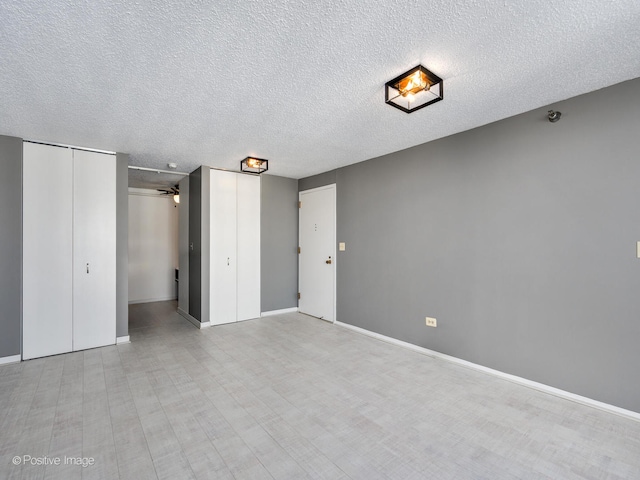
153, 246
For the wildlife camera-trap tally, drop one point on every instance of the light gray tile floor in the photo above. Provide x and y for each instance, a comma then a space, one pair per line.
291, 397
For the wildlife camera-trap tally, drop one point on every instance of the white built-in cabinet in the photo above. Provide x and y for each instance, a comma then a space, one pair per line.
69, 250
234, 247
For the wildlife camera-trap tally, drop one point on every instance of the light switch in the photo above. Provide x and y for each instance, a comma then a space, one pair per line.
343, 246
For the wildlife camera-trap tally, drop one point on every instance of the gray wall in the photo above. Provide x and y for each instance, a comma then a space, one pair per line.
122, 245
315, 181
183, 246
519, 237
279, 243
195, 244
199, 193
10, 245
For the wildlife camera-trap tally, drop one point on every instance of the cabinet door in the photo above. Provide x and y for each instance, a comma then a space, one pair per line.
248, 247
94, 254
47, 250
223, 248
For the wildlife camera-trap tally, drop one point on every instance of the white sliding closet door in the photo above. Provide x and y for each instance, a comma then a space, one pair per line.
94, 256
47, 250
248, 247
223, 267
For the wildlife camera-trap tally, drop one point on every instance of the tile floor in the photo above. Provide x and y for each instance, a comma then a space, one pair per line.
290, 397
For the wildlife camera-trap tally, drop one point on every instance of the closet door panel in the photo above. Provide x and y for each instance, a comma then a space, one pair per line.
47, 250
223, 238
248, 247
94, 261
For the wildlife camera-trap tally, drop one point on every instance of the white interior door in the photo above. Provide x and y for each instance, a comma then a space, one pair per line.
47, 250
248, 247
94, 252
223, 237
317, 237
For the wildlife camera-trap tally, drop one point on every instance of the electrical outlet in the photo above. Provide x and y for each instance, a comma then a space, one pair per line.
431, 322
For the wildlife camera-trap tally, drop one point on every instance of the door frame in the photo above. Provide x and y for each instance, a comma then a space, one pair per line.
331, 186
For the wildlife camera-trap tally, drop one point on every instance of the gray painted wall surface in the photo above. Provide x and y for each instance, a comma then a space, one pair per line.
315, 181
183, 245
10, 245
205, 208
195, 239
199, 215
519, 237
122, 245
279, 243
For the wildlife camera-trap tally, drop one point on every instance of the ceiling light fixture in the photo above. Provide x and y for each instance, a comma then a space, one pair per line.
413, 90
254, 165
553, 116
173, 191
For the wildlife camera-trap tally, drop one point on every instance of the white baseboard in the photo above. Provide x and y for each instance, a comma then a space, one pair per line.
193, 320
151, 300
11, 359
270, 313
124, 339
497, 373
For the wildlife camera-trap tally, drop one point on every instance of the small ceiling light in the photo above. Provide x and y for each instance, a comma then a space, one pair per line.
413, 90
254, 165
553, 116
176, 198
172, 166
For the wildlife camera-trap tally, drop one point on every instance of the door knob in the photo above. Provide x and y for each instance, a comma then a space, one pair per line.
328, 262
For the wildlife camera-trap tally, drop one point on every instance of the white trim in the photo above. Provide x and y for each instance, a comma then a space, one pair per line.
73, 147
124, 339
541, 387
155, 170
282, 311
335, 251
151, 300
11, 359
195, 321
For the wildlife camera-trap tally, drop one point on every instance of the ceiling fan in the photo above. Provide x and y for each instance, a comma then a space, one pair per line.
171, 191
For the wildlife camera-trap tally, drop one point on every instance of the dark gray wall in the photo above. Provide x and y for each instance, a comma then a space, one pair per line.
279, 243
122, 245
519, 237
10, 245
315, 181
183, 245
199, 214
195, 244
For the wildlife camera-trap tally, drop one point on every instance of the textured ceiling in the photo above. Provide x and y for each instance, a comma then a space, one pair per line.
299, 83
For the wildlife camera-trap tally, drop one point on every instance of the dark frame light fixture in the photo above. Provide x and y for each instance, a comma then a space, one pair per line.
413, 90
553, 116
254, 165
